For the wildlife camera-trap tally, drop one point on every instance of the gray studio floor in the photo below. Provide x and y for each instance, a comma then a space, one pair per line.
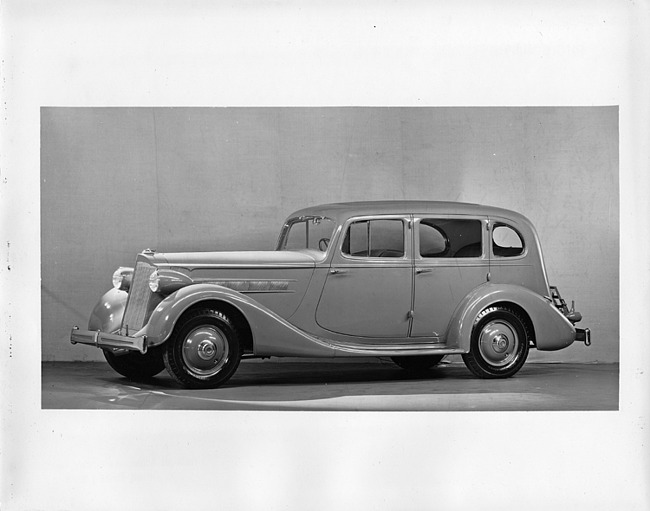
348, 386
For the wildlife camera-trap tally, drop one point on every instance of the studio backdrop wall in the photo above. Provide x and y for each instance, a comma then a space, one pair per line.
115, 181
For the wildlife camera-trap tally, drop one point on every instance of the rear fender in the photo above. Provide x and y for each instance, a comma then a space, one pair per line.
272, 335
552, 330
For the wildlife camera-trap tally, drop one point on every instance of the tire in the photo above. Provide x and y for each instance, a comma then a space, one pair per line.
204, 349
135, 366
417, 363
499, 344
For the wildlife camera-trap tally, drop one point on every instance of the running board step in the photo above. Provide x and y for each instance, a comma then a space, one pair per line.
394, 349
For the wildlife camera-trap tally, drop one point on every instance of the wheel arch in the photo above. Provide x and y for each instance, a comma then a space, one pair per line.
549, 330
187, 299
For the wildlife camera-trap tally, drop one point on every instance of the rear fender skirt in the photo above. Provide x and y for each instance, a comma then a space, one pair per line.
272, 335
552, 330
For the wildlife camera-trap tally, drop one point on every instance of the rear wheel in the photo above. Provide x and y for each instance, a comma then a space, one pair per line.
499, 344
418, 363
204, 350
135, 366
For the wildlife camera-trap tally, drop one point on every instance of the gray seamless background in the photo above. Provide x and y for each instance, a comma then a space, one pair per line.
117, 180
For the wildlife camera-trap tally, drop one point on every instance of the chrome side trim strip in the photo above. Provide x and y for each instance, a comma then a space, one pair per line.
230, 266
251, 285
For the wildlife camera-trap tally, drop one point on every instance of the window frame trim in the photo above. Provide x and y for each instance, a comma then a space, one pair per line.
288, 224
404, 218
417, 218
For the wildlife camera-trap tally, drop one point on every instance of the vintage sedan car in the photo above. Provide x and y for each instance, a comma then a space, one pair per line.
413, 281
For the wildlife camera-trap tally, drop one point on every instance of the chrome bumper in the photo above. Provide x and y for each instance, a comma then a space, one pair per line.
583, 335
103, 340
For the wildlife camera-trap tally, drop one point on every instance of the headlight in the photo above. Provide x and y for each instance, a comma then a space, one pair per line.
154, 281
167, 281
122, 278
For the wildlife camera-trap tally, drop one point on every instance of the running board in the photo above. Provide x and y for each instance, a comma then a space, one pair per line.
393, 349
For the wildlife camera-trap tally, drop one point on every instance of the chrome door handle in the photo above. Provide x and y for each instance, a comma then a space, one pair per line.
419, 271
336, 271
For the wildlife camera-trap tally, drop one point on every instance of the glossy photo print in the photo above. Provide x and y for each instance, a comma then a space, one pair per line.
368, 255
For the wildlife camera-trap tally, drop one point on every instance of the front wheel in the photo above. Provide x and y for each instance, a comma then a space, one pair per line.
499, 344
135, 366
204, 350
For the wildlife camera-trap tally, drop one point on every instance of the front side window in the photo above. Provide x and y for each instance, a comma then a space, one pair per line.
506, 242
450, 238
374, 238
310, 232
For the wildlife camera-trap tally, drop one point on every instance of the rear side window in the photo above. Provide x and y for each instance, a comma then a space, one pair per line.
506, 242
450, 238
375, 238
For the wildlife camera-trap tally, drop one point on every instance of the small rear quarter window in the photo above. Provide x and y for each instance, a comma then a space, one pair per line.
506, 241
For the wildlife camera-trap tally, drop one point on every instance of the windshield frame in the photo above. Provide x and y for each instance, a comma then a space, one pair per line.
289, 223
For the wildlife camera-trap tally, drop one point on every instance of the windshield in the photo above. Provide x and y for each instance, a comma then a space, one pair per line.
312, 232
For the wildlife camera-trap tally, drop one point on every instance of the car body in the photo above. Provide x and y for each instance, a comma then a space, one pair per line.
410, 280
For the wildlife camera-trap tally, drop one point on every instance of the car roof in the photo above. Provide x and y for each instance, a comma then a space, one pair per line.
342, 210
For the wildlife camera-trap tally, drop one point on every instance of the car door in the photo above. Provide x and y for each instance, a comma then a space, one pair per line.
450, 260
368, 290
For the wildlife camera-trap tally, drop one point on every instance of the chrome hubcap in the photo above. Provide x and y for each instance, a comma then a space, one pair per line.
498, 343
205, 351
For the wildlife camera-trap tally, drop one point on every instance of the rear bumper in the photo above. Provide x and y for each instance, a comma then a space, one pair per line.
103, 340
583, 335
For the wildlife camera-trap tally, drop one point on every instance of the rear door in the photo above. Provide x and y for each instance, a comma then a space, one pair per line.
450, 259
368, 290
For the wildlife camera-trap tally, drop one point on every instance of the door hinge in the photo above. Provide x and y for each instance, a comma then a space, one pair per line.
410, 314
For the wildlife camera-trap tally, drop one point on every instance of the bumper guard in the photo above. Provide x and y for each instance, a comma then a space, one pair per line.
103, 340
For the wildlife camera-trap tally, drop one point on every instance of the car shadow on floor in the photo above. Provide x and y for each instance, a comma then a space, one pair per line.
297, 382
372, 386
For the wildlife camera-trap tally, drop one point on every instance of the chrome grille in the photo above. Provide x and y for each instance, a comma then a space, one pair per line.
139, 304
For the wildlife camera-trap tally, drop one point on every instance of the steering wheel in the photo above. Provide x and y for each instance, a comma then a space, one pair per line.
323, 244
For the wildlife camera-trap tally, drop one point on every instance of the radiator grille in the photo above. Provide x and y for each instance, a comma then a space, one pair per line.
139, 304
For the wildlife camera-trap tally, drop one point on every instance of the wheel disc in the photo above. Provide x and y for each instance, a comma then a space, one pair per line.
205, 351
498, 343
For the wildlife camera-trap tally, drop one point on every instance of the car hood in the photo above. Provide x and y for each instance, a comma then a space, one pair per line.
269, 258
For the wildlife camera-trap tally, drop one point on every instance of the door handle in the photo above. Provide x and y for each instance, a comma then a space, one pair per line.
336, 271
419, 271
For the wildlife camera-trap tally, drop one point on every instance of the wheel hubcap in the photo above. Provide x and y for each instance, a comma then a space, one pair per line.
498, 343
205, 351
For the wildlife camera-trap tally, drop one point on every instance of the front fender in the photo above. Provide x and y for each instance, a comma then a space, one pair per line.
107, 314
266, 326
552, 330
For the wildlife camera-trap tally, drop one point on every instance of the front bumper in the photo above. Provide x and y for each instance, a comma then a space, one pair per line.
101, 339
